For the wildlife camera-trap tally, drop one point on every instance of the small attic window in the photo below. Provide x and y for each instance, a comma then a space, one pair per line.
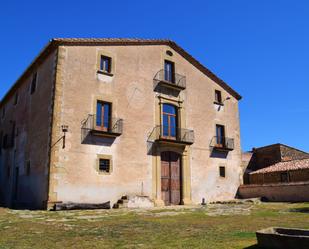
168, 52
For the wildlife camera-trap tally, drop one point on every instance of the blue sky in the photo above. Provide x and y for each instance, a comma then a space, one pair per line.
259, 47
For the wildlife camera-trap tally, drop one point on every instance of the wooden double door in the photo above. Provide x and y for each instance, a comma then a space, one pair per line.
171, 178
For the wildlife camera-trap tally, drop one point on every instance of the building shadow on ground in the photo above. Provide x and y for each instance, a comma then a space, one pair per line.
254, 247
304, 210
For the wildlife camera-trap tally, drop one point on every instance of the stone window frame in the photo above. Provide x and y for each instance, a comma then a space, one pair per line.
97, 166
102, 53
106, 99
221, 124
221, 96
167, 57
179, 107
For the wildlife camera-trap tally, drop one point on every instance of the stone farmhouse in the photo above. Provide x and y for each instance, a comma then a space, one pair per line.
92, 120
276, 172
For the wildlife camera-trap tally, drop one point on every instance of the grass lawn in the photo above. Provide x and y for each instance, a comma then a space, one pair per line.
216, 226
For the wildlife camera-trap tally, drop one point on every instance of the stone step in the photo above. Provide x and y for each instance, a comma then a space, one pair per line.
124, 205
120, 205
122, 201
134, 202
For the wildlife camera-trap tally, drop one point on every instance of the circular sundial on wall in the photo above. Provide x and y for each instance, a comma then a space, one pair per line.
135, 94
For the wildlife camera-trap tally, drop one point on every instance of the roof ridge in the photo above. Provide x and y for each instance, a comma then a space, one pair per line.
111, 39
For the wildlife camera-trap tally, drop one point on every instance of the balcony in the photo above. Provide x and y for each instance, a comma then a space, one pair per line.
112, 129
171, 80
222, 143
181, 136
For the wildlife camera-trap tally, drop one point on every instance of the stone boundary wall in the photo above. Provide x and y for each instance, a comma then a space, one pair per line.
285, 192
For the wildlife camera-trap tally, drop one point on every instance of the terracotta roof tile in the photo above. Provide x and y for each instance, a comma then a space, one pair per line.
122, 40
284, 166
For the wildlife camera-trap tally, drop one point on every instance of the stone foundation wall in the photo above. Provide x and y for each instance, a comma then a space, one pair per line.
289, 192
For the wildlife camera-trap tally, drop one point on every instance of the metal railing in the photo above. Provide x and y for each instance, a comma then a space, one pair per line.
222, 143
179, 135
113, 126
173, 79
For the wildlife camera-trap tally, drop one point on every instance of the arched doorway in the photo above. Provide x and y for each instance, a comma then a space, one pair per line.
171, 189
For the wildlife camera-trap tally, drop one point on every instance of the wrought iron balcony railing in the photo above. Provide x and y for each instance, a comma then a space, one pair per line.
222, 143
170, 79
177, 135
113, 127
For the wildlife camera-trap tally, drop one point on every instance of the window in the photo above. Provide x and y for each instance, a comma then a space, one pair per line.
169, 71
169, 121
284, 177
169, 52
8, 170
3, 112
16, 176
33, 83
103, 116
5, 141
1, 138
28, 168
13, 133
105, 64
222, 171
218, 97
220, 135
16, 99
104, 165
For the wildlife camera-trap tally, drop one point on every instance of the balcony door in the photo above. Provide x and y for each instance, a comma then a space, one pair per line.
103, 116
220, 135
169, 121
169, 69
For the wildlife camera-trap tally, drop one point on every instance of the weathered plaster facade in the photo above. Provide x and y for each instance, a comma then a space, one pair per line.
71, 173
24, 162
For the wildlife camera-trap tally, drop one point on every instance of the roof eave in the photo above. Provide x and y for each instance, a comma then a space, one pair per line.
55, 42
44, 52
